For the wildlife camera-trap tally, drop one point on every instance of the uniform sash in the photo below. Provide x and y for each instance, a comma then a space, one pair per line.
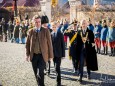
71, 41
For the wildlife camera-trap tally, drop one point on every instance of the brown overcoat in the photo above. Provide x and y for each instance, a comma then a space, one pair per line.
45, 43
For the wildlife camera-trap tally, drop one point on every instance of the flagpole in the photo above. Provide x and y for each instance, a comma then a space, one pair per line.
15, 7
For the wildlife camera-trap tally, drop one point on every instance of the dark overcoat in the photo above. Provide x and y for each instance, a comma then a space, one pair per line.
76, 46
58, 45
91, 56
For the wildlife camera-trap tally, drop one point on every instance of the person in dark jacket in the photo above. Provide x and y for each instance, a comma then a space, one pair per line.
4, 29
64, 27
16, 32
22, 33
58, 50
1, 35
44, 22
26, 26
75, 45
88, 52
91, 27
10, 30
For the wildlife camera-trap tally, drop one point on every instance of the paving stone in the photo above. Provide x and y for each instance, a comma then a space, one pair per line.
15, 71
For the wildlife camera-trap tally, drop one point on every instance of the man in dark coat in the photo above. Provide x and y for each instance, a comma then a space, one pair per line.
10, 30
44, 22
75, 45
0, 32
58, 50
88, 53
4, 29
16, 32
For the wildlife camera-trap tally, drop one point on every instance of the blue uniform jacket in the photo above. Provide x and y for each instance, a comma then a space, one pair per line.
104, 33
98, 29
111, 34
91, 27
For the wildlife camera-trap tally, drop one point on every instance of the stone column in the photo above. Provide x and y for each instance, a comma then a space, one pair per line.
74, 7
72, 4
78, 9
46, 8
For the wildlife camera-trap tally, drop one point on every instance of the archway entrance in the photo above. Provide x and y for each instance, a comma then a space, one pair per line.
5, 14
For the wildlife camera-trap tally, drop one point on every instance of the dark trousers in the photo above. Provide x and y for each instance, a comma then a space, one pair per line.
75, 63
57, 63
49, 63
38, 65
82, 60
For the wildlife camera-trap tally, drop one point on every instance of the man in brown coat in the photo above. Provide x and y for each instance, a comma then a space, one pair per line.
39, 49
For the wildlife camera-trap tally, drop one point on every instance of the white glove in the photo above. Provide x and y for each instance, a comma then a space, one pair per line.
93, 44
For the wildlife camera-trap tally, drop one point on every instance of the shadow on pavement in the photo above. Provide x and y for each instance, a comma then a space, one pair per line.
99, 79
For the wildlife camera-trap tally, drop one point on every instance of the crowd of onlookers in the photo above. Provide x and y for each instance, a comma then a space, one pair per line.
104, 30
14, 31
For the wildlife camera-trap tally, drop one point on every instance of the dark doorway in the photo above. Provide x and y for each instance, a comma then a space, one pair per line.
5, 14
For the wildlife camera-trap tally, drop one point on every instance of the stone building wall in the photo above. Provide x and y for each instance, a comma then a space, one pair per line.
95, 16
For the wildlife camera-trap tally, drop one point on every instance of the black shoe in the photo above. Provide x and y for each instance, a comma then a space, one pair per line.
88, 77
113, 51
41, 85
110, 55
99, 51
58, 84
77, 72
80, 80
106, 50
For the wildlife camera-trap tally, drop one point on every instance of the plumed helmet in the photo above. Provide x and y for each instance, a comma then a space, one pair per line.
44, 19
74, 22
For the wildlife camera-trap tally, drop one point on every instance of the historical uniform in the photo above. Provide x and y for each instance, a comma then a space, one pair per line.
97, 34
103, 37
91, 27
64, 27
111, 37
75, 46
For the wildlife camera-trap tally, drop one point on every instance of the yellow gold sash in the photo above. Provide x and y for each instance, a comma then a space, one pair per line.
71, 41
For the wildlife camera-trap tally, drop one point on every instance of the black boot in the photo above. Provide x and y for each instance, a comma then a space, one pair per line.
111, 52
80, 80
98, 50
49, 67
103, 51
106, 51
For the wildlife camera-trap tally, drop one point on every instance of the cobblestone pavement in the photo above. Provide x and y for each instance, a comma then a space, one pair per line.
15, 71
